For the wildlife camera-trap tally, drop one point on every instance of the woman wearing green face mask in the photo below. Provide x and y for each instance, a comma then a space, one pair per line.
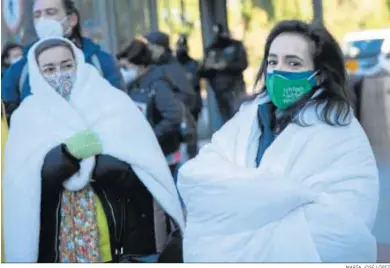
292, 177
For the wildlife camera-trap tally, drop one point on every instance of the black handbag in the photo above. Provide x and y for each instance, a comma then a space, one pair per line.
172, 251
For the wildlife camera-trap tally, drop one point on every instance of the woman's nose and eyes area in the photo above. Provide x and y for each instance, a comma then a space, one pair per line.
290, 52
285, 63
55, 60
49, 13
52, 68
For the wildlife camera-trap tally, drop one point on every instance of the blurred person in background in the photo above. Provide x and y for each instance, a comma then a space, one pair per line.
152, 91
11, 53
150, 88
95, 186
158, 44
292, 174
223, 67
55, 18
191, 67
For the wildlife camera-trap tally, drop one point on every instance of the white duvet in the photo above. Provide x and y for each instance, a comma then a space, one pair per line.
313, 198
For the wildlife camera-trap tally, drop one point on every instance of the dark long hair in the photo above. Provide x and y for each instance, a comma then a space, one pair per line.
5, 53
70, 9
136, 52
333, 105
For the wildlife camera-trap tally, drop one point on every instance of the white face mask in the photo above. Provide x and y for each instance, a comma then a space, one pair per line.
129, 75
50, 28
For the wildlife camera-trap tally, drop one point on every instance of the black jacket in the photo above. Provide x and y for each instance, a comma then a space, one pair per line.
182, 85
191, 67
128, 205
163, 110
230, 78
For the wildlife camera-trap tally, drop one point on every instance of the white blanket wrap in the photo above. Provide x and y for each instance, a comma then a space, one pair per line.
313, 198
45, 120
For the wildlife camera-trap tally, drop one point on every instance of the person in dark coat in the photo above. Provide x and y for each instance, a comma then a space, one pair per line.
158, 44
14, 85
151, 89
223, 67
191, 67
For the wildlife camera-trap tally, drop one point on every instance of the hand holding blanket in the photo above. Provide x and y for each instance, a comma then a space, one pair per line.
312, 199
49, 121
84, 144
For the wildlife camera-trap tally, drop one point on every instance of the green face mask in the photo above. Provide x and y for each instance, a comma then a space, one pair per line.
286, 88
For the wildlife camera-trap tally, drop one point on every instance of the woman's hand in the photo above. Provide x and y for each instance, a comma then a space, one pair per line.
83, 145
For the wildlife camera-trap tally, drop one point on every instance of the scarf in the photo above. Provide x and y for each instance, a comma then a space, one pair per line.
79, 234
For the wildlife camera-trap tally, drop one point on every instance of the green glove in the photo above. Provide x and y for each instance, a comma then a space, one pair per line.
84, 144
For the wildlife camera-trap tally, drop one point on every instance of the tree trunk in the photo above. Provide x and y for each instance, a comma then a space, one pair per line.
29, 34
317, 11
182, 12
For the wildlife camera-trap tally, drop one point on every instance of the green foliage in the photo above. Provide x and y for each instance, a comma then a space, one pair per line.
246, 13
361, 14
172, 21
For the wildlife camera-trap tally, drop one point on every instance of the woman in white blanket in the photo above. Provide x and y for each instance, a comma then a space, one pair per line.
292, 177
85, 179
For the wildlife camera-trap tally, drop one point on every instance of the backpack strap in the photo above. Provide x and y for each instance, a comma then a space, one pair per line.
169, 79
23, 78
96, 62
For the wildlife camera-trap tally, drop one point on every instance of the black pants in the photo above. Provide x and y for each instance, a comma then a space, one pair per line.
192, 146
173, 169
173, 253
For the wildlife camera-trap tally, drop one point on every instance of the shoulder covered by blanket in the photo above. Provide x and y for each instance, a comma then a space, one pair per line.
45, 120
313, 198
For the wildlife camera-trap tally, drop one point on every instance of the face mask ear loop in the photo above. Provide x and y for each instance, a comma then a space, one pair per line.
64, 19
69, 28
281, 76
314, 74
